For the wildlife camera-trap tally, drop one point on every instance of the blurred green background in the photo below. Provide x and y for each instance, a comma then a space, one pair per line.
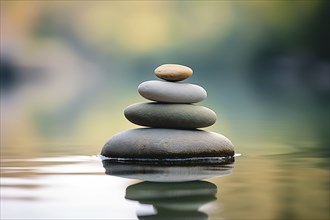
69, 68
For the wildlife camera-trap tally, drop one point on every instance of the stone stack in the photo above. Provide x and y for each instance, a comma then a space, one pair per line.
173, 122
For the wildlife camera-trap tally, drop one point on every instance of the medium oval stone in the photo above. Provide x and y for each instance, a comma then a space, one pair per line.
173, 72
162, 115
171, 92
161, 143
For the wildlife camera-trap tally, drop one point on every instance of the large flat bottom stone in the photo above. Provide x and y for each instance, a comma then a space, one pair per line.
167, 144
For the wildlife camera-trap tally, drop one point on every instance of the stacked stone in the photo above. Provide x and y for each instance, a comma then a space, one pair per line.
172, 119
173, 107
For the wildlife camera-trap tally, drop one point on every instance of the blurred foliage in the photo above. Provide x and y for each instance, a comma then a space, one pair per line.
69, 68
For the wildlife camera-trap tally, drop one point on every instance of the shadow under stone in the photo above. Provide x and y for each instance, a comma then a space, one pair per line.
166, 172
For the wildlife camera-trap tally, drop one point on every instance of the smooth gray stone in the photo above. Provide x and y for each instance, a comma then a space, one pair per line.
171, 92
162, 115
161, 143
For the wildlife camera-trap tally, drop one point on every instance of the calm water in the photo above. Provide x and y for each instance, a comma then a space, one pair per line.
263, 186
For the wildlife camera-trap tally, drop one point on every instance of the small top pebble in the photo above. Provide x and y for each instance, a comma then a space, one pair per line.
173, 72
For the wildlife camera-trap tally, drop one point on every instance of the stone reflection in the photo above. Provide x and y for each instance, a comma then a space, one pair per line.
169, 172
173, 200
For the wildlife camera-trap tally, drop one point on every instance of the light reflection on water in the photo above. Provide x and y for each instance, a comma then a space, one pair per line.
62, 189
282, 186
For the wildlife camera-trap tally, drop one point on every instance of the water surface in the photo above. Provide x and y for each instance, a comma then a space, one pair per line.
262, 186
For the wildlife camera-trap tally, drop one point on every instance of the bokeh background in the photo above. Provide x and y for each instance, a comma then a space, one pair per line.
69, 68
